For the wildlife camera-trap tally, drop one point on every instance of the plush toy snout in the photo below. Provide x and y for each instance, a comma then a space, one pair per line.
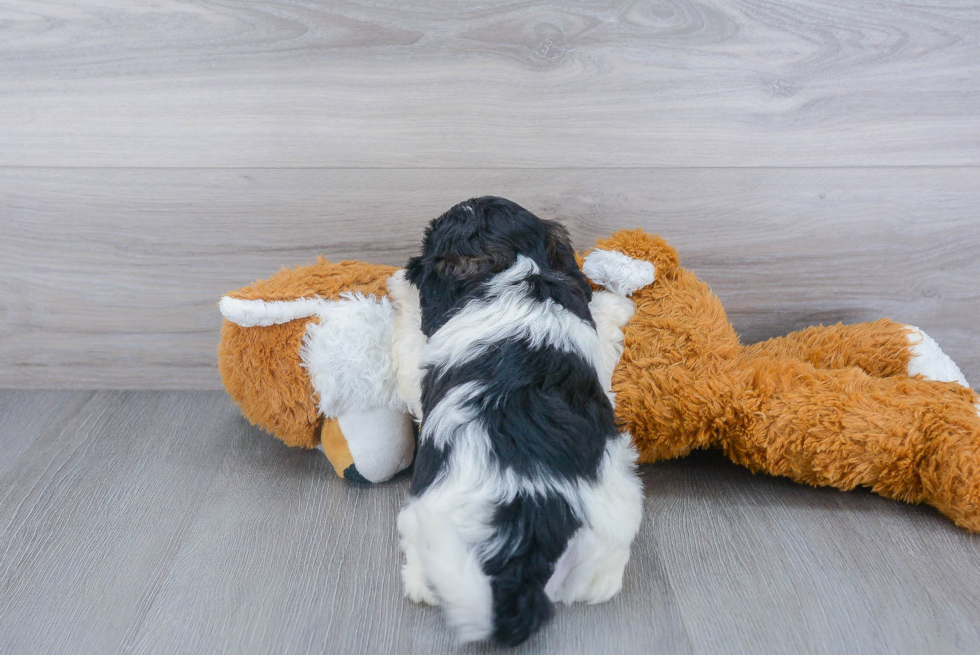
369, 446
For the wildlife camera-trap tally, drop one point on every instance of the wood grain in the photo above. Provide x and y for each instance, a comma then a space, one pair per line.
490, 83
94, 513
162, 522
110, 278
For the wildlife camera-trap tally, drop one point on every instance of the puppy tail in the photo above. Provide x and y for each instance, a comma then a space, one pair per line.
520, 604
454, 571
533, 532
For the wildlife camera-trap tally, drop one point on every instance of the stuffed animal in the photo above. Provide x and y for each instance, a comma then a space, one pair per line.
307, 356
310, 355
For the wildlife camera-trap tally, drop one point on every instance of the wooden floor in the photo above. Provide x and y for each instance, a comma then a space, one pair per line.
162, 522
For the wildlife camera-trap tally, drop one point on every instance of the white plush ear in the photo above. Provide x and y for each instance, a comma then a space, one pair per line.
610, 311
407, 340
618, 272
263, 313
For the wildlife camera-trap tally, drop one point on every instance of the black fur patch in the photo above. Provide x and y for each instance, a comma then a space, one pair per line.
535, 532
481, 237
429, 462
544, 410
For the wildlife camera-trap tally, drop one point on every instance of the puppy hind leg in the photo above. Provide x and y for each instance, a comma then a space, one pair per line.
417, 588
596, 557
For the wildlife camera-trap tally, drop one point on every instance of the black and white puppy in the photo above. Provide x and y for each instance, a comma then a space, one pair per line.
524, 491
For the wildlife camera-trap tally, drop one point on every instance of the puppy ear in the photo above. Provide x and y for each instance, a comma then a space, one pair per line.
461, 267
414, 271
558, 248
468, 267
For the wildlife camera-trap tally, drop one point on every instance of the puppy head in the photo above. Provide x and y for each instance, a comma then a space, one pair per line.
474, 241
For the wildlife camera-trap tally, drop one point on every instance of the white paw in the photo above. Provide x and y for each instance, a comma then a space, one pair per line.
608, 580
417, 589
930, 361
604, 587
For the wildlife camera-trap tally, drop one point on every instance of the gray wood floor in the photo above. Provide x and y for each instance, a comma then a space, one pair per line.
162, 522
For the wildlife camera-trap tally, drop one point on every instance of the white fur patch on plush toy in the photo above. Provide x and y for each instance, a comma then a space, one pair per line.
618, 272
348, 355
930, 361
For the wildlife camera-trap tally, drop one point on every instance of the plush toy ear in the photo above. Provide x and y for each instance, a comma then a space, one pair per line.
618, 272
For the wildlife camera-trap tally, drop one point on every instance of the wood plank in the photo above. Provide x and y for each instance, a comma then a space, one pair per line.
162, 522
759, 564
490, 84
286, 557
109, 278
94, 513
27, 415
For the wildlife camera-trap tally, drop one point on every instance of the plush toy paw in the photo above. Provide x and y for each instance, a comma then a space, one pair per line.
929, 361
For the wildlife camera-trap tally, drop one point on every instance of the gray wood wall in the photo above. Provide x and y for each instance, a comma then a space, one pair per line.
813, 160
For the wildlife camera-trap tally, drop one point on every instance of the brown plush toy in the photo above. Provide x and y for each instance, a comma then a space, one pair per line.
307, 356
875, 404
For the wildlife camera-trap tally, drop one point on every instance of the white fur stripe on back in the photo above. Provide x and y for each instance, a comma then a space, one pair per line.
510, 314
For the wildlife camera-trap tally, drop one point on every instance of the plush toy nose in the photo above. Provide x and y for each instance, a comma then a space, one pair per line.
368, 446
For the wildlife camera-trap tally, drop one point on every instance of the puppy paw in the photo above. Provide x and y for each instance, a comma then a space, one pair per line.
417, 589
604, 586
929, 361
422, 595
608, 577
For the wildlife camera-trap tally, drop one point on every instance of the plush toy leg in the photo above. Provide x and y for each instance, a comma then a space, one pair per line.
368, 446
905, 438
880, 349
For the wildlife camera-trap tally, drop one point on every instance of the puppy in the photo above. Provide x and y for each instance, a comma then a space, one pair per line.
524, 492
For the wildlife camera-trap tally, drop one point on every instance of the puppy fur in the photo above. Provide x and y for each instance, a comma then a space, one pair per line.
524, 491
